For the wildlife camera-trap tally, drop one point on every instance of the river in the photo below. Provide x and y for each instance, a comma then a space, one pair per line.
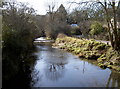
57, 68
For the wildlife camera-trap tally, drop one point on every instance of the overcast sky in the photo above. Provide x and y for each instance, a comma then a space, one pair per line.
42, 5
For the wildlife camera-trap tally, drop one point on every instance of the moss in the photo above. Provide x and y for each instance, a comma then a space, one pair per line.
77, 50
92, 55
109, 66
101, 59
100, 46
116, 61
117, 68
77, 46
102, 65
81, 55
48, 38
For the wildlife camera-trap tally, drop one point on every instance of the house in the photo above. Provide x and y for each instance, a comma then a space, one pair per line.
118, 23
74, 25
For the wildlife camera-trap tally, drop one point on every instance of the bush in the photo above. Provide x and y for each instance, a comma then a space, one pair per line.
76, 31
96, 28
18, 33
54, 28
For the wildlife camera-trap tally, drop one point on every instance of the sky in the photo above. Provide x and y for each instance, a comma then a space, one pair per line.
42, 5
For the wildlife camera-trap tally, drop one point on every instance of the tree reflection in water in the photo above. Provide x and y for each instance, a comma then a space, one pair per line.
21, 77
50, 65
36, 76
114, 80
54, 71
56, 65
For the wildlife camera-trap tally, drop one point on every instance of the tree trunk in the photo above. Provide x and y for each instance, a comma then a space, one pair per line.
112, 27
115, 31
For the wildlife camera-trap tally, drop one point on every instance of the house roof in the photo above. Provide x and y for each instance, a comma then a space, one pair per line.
74, 25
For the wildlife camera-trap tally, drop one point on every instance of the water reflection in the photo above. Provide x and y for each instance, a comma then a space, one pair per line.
55, 64
56, 68
114, 80
83, 67
36, 76
54, 71
17, 70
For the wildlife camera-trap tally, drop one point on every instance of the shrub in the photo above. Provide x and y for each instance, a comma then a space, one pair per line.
96, 28
75, 30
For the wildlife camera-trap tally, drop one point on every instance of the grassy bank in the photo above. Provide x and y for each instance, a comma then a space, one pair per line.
91, 50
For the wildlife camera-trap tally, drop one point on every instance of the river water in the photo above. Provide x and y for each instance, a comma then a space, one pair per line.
57, 68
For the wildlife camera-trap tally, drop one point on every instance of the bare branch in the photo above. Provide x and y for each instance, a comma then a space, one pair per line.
118, 7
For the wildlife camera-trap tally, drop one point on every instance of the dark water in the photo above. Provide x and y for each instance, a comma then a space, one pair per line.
56, 68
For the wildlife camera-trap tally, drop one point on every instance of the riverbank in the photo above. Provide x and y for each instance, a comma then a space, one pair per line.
91, 50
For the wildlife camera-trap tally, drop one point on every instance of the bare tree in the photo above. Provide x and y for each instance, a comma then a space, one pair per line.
112, 23
110, 10
56, 21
